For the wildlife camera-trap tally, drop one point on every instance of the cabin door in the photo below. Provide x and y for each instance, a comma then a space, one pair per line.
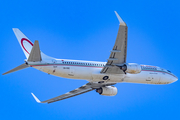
71, 71
54, 66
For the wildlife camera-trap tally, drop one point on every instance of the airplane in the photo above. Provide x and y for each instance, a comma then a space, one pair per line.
101, 76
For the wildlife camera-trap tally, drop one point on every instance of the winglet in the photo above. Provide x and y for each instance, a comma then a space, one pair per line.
37, 100
120, 19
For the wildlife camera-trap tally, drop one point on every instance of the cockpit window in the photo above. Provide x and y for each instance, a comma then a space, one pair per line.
169, 71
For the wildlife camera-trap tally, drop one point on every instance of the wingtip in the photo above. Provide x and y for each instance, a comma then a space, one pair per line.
37, 100
14, 29
120, 19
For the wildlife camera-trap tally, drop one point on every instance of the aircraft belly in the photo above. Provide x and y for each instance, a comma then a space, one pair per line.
54, 70
68, 71
74, 72
94, 75
82, 73
45, 69
97, 76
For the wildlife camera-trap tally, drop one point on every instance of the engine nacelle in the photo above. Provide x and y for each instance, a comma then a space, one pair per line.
107, 91
132, 68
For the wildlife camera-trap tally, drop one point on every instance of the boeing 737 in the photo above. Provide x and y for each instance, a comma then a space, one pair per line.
101, 76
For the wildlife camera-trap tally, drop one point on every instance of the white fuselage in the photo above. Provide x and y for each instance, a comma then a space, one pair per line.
90, 71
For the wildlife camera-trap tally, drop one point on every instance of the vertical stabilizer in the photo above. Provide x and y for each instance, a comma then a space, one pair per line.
24, 42
27, 46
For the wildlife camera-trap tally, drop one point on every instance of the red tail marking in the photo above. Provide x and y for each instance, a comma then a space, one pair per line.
23, 44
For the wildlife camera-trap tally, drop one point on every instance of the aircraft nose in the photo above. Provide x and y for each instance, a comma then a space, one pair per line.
174, 79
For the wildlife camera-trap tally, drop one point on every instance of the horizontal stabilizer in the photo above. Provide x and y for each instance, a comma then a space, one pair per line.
16, 69
35, 54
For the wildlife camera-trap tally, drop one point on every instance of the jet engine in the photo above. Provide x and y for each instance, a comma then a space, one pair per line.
107, 91
132, 68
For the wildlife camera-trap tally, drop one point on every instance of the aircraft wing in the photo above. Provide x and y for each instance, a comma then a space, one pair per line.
119, 51
83, 89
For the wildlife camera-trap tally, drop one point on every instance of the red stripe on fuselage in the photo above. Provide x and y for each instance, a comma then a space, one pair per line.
64, 65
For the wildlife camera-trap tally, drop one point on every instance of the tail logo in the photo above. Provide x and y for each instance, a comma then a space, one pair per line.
25, 44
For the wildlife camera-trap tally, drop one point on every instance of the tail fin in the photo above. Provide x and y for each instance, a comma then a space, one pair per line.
27, 45
24, 42
32, 52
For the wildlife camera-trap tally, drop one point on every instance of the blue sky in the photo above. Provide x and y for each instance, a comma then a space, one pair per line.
86, 30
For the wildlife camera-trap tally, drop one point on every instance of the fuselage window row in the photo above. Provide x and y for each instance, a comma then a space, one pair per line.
83, 63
